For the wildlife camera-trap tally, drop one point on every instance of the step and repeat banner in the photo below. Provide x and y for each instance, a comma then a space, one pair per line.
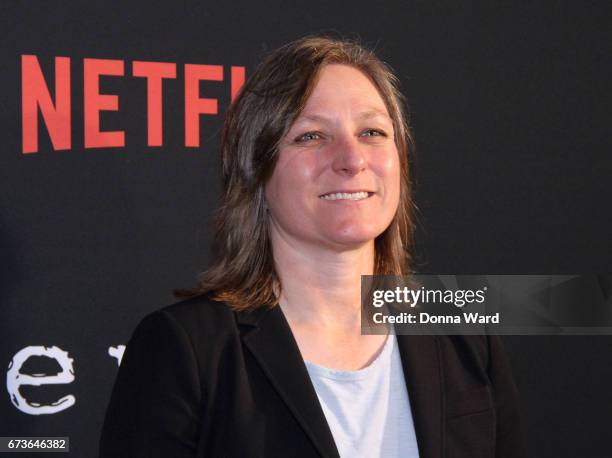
109, 165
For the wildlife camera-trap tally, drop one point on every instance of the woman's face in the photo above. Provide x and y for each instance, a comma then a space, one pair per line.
337, 180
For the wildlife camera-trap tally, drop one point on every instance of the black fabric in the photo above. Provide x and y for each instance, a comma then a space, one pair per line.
198, 380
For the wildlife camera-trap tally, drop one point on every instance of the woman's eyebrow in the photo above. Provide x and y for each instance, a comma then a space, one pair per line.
364, 115
374, 113
313, 117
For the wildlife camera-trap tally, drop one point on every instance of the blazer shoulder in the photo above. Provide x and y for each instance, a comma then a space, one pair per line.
201, 316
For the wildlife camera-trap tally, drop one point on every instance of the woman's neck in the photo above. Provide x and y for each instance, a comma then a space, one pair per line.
322, 287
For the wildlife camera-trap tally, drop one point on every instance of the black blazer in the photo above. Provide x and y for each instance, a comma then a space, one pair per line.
198, 380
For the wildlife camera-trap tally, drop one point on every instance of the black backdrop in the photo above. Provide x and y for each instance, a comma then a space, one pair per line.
510, 106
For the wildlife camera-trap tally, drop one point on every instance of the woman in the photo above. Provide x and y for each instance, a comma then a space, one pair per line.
267, 358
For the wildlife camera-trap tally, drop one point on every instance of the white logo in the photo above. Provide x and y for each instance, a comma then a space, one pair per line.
15, 379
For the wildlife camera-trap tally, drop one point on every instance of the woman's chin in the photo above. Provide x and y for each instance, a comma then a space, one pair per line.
353, 238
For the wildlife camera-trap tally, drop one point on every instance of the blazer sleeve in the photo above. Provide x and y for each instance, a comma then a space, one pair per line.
155, 403
509, 434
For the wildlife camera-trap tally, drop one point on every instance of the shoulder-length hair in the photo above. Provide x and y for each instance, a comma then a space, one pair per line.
242, 272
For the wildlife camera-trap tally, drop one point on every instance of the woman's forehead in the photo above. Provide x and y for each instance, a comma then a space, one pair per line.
336, 81
340, 88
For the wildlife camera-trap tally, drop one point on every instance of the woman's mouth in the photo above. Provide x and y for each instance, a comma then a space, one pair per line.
360, 195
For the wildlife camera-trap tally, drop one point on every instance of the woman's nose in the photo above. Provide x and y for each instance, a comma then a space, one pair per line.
348, 157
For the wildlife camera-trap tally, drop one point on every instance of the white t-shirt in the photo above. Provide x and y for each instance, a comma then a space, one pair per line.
368, 410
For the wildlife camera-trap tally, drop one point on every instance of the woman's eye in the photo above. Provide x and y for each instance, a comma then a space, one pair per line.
373, 133
308, 136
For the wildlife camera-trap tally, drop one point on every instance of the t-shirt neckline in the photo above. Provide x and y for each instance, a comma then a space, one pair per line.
364, 372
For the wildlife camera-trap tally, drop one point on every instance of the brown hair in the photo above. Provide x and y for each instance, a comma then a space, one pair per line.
242, 272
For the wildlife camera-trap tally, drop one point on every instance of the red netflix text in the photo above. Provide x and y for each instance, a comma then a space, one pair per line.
56, 111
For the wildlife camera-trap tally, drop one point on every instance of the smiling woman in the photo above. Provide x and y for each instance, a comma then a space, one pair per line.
337, 176
265, 358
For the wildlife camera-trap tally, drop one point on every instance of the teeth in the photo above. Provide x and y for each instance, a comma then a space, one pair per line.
346, 195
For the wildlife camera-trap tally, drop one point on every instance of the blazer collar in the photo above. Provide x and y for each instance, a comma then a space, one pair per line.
422, 366
271, 341
275, 349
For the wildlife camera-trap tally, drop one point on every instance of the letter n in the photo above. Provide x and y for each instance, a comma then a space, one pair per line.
35, 94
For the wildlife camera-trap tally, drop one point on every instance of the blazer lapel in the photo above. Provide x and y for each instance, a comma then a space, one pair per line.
274, 347
422, 371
